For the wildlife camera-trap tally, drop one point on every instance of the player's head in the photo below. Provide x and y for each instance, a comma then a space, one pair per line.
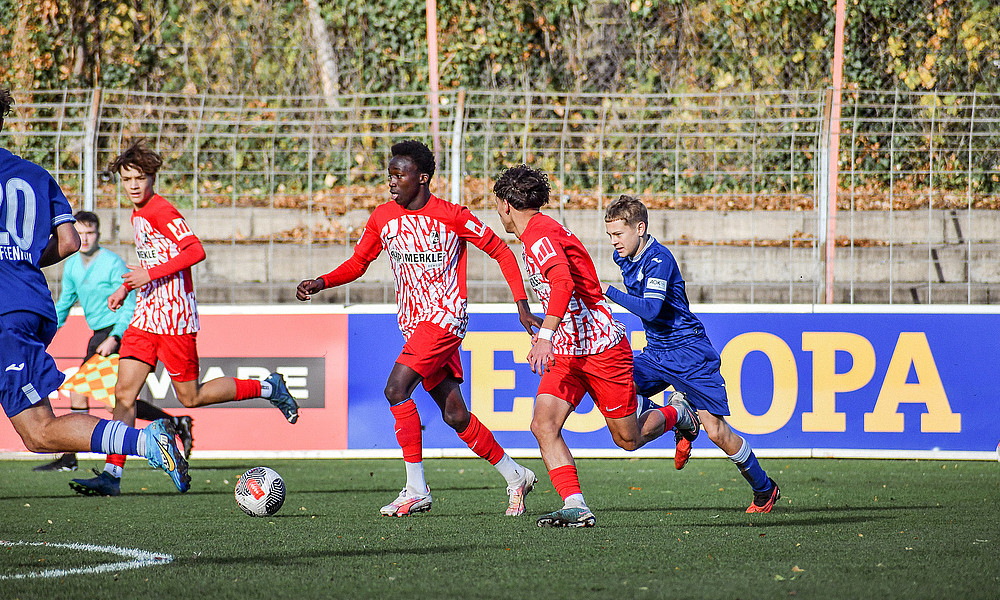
626, 220
520, 188
88, 225
137, 167
410, 170
6, 101
417, 152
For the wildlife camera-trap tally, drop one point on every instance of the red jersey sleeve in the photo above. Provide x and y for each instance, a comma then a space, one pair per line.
554, 264
367, 250
470, 228
171, 224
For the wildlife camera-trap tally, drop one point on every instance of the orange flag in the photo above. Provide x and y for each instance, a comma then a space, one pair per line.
95, 379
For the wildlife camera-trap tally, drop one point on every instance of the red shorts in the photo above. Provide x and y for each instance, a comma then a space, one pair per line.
432, 352
178, 353
606, 376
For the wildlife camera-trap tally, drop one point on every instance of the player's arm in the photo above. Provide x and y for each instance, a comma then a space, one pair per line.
63, 242
366, 251
67, 297
658, 274
127, 306
647, 307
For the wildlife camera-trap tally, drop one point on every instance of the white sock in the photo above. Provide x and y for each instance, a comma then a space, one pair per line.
574, 501
415, 477
510, 469
140, 443
113, 470
266, 389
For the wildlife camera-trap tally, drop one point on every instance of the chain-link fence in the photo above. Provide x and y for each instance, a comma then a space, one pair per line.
280, 187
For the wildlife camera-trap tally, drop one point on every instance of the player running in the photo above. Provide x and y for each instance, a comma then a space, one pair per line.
580, 347
425, 238
36, 230
90, 276
165, 325
678, 352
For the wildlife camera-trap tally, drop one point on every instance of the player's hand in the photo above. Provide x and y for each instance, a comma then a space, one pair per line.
307, 288
136, 277
108, 346
529, 321
541, 357
117, 298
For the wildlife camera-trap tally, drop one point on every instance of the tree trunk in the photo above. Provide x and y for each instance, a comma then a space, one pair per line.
328, 75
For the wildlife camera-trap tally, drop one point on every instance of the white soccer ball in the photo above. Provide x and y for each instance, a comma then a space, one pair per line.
260, 492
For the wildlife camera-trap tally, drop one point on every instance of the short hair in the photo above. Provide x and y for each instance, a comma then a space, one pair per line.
6, 101
629, 209
85, 216
418, 152
523, 187
139, 156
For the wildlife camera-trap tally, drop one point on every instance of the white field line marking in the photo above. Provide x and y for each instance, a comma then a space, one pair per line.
140, 558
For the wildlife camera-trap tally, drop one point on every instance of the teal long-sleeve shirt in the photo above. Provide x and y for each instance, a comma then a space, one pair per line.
91, 285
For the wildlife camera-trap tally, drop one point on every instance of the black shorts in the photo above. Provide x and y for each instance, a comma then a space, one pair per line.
96, 340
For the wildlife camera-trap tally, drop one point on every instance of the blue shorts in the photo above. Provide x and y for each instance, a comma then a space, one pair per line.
29, 373
692, 368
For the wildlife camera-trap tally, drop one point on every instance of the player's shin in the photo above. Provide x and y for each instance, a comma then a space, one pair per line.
746, 462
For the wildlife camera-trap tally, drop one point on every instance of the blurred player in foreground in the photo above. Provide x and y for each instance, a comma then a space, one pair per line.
678, 352
36, 230
580, 347
90, 276
165, 325
425, 238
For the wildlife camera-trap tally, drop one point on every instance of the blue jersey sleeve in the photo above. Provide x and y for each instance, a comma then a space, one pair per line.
646, 308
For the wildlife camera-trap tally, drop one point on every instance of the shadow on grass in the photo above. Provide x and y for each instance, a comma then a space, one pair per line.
272, 558
782, 516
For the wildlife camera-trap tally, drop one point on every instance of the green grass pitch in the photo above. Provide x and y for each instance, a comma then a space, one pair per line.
843, 529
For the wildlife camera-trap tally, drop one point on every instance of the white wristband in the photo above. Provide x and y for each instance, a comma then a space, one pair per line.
545, 334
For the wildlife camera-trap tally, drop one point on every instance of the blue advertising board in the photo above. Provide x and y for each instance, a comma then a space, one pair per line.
883, 380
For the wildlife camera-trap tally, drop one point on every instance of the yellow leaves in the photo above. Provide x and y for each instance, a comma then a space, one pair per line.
818, 41
895, 46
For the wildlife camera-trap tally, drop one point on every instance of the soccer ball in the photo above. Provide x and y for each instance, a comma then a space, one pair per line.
260, 492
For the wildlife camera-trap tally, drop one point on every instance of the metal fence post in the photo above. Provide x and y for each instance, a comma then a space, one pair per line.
456, 149
90, 151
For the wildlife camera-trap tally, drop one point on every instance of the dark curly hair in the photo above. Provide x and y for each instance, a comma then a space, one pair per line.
419, 153
523, 187
138, 156
6, 101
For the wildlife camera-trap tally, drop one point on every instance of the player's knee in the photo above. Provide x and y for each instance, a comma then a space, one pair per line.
544, 430
188, 400
457, 418
36, 440
626, 442
395, 393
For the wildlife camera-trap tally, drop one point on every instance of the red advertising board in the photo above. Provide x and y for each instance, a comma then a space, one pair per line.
310, 350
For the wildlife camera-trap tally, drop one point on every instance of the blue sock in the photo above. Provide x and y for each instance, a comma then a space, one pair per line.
747, 463
115, 437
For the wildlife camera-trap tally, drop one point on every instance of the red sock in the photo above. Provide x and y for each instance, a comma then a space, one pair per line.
481, 441
565, 480
408, 430
247, 388
115, 459
670, 414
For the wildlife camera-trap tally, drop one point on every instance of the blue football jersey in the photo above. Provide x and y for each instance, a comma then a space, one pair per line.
31, 206
653, 275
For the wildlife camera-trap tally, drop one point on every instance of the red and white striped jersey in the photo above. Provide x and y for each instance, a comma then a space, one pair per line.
588, 326
427, 251
166, 305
